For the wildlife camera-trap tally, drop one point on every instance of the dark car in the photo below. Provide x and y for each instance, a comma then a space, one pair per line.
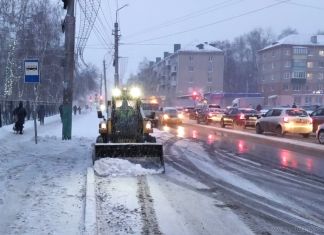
189, 112
317, 117
320, 134
210, 115
170, 115
239, 118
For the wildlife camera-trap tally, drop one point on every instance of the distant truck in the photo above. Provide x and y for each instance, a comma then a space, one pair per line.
152, 107
248, 102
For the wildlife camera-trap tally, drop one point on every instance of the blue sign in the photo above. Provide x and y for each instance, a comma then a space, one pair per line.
32, 74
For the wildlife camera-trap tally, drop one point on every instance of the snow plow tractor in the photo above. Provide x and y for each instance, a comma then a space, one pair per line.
126, 132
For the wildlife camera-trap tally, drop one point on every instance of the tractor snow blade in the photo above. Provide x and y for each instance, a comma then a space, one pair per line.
149, 155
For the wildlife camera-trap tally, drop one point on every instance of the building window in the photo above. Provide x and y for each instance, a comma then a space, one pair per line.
273, 53
310, 65
210, 58
308, 99
321, 64
299, 75
286, 75
209, 77
297, 87
300, 63
321, 52
191, 79
191, 68
287, 64
301, 51
286, 87
191, 58
272, 65
210, 67
272, 77
321, 76
272, 88
309, 75
209, 89
287, 52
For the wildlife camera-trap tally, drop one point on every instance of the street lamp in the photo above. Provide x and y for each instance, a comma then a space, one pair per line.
120, 9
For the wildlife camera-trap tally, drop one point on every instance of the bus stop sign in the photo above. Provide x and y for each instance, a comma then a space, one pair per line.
32, 74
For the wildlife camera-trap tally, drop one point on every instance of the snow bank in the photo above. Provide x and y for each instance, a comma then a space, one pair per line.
120, 167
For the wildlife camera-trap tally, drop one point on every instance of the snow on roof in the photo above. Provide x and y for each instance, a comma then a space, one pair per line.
298, 40
204, 48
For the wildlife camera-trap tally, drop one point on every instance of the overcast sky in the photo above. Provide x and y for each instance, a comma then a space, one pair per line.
143, 21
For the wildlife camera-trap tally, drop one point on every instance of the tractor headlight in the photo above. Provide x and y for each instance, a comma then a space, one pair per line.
135, 92
103, 125
148, 125
116, 92
102, 108
180, 115
165, 116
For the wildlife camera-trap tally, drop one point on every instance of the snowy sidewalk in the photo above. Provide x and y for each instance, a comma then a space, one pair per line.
42, 187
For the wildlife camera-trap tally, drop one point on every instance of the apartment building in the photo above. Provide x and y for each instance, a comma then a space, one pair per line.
196, 69
293, 66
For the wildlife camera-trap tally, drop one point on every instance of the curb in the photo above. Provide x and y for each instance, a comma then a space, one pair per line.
90, 218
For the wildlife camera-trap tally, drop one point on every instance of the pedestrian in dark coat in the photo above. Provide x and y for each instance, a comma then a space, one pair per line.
75, 108
41, 114
20, 114
61, 112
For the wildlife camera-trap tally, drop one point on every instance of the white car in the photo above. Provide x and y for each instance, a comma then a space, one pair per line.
320, 134
285, 120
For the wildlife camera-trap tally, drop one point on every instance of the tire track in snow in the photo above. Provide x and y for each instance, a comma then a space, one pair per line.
150, 223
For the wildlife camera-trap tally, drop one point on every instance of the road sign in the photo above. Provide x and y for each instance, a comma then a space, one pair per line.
32, 74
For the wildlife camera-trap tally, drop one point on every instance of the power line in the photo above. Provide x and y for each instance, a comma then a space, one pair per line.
216, 22
186, 17
306, 6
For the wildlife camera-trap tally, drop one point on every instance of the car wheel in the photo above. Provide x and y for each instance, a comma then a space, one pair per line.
258, 129
320, 137
222, 124
305, 135
279, 131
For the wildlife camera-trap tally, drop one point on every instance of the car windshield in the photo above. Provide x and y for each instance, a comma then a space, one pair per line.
296, 112
149, 106
171, 111
248, 111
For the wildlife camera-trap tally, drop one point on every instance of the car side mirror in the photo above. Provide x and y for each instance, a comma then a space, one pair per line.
152, 115
263, 115
99, 113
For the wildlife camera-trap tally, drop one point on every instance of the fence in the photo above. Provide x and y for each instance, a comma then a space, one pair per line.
7, 107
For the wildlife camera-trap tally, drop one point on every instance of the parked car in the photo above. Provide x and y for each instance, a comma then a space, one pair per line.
170, 115
285, 120
320, 134
310, 108
318, 118
239, 118
210, 115
189, 111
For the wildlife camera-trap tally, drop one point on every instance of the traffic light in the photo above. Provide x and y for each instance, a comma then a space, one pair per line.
194, 95
66, 3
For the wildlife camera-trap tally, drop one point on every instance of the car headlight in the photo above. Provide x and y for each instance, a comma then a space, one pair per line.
180, 115
135, 92
103, 125
165, 116
148, 125
102, 107
116, 92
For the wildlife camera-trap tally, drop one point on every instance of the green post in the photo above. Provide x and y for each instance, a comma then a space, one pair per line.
67, 122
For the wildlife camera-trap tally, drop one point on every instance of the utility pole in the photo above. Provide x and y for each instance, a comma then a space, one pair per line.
116, 56
116, 64
69, 26
105, 84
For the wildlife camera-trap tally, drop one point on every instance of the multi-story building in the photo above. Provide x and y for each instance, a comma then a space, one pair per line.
291, 66
199, 69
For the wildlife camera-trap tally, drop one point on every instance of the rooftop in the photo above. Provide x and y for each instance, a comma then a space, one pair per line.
298, 40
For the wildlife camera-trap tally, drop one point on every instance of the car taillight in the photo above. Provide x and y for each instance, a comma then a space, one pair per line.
286, 119
210, 114
242, 116
311, 121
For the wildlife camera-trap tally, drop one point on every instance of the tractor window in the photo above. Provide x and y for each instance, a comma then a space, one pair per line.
149, 106
130, 103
